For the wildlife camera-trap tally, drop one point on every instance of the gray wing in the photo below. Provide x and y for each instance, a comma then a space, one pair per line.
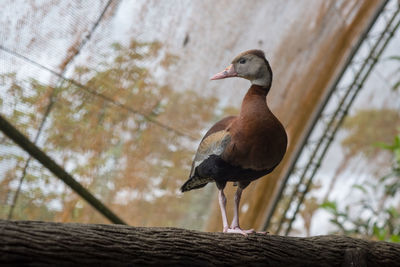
214, 143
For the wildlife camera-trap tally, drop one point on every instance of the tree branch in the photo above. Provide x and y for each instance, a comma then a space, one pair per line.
45, 243
35, 152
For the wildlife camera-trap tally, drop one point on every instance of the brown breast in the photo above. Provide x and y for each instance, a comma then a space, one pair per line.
258, 139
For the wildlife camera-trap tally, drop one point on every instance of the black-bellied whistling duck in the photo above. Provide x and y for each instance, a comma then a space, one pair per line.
240, 148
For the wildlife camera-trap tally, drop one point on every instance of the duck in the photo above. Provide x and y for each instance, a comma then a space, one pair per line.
241, 148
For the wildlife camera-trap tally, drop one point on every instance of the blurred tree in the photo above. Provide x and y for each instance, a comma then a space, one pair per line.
366, 127
130, 163
377, 214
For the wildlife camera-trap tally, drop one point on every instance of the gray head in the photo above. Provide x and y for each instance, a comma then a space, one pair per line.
251, 65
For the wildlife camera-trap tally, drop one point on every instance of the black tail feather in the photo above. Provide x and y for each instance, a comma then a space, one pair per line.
194, 183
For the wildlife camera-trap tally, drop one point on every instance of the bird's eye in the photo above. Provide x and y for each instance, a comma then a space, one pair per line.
242, 61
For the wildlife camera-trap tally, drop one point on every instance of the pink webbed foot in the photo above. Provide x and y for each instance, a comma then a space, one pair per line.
238, 230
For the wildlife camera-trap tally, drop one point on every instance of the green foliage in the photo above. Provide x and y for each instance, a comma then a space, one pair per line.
376, 214
379, 220
366, 127
394, 148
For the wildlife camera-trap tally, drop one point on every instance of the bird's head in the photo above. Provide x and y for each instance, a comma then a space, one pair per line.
251, 65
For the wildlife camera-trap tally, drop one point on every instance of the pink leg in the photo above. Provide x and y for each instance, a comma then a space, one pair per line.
222, 205
235, 228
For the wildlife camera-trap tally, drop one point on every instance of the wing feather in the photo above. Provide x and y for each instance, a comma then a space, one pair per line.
213, 143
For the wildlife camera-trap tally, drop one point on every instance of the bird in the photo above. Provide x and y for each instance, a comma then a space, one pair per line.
242, 148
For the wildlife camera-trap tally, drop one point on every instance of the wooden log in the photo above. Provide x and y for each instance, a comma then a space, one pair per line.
46, 243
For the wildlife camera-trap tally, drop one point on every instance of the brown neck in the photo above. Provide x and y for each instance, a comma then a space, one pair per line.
258, 90
255, 102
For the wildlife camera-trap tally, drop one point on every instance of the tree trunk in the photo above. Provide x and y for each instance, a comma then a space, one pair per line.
44, 243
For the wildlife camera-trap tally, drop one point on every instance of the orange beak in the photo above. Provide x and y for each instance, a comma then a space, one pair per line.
226, 73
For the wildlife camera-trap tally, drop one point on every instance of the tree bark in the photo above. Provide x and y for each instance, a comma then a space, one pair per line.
44, 243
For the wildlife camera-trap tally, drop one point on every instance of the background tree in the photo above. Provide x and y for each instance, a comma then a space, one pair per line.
376, 215
101, 128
